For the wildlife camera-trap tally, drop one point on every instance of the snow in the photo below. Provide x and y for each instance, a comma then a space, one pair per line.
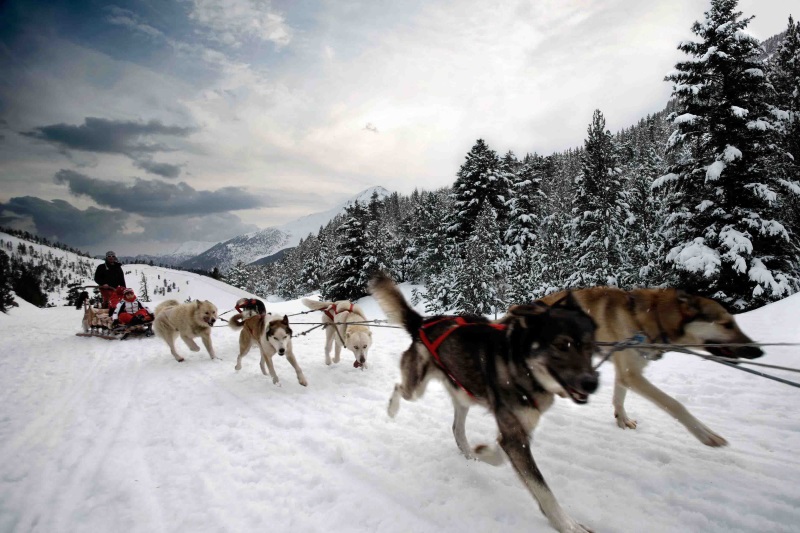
696, 257
100, 435
714, 170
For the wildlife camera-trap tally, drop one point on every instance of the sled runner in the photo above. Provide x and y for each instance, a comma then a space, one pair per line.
97, 322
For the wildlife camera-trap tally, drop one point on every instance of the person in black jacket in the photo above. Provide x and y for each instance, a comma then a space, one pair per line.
109, 276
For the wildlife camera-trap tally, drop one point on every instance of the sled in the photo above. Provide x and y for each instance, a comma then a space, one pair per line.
97, 322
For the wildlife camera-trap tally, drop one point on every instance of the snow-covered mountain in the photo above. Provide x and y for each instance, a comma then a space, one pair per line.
252, 247
184, 252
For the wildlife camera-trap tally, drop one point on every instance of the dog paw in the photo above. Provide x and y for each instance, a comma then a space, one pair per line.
624, 422
179, 359
194, 348
489, 455
394, 406
328, 361
238, 367
709, 438
303, 382
276, 381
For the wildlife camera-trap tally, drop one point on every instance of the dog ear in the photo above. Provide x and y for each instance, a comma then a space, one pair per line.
285, 320
567, 301
198, 303
532, 309
688, 304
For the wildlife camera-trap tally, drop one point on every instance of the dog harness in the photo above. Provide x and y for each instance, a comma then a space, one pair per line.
330, 311
433, 345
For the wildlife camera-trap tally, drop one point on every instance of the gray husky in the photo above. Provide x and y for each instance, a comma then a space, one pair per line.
513, 367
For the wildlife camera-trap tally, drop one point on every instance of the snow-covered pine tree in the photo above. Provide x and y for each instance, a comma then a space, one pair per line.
479, 180
480, 281
726, 235
526, 205
347, 278
144, 293
645, 208
784, 74
598, 211
6, 298
236, 276
378, 239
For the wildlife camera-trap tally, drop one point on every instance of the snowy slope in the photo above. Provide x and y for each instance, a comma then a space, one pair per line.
100, 435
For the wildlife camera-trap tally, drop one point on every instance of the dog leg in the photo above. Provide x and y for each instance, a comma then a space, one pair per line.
268, 360
170, 338
619, 405
209, 347
638, 383
301, 378
190, 343
329, 333
244, 348
515, 441
338, 346
415, 377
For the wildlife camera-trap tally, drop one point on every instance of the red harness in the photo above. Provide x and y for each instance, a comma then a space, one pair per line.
330, 311
433, 346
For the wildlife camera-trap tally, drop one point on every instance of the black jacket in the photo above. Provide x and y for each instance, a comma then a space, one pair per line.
110, 274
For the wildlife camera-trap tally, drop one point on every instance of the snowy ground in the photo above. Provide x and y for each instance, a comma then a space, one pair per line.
100, 435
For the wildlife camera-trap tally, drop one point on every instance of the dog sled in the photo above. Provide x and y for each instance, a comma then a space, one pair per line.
98, 321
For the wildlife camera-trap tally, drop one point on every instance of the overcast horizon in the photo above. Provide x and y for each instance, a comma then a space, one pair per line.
138, 126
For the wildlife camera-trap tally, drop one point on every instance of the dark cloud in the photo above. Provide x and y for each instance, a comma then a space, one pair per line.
164, 170
153, 198
60, 220
132, 139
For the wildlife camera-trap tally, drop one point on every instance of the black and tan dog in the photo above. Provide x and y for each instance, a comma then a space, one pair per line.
270, 333
667, 316
513, 367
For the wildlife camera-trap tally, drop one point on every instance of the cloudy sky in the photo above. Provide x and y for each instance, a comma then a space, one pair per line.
144, 124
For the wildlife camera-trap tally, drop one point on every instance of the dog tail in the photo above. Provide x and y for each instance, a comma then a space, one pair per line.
236, 322
81, 299
394, 305
314, 304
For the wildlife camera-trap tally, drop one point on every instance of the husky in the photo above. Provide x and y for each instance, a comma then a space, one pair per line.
514, 367
187, 320
342, 324
667, 316
271, 333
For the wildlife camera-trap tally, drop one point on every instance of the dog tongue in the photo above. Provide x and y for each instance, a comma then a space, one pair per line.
356, 364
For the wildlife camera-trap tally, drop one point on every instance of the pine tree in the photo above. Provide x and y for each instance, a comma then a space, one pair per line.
480, 180
598, 212
144, 293
784, 74
347, 278
6, 296
726, 235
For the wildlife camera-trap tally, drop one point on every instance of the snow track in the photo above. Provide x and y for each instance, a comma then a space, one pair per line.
102, 435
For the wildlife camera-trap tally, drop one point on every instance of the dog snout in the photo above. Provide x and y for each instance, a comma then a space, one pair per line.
589, 382
211, 321
362, 359
282, 351
750, 352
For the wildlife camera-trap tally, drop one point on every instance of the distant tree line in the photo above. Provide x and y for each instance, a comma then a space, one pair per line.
703, 195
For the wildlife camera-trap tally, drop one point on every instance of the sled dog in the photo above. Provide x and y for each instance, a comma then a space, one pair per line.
188, 320
341, 324
666, 316
513, 367
273, 335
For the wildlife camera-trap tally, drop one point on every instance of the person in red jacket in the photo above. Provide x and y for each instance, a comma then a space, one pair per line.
130, 311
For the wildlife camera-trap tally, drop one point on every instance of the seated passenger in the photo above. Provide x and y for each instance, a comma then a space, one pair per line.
130, 311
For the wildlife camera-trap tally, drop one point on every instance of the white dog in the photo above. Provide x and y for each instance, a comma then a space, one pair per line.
342, 321
189, 320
